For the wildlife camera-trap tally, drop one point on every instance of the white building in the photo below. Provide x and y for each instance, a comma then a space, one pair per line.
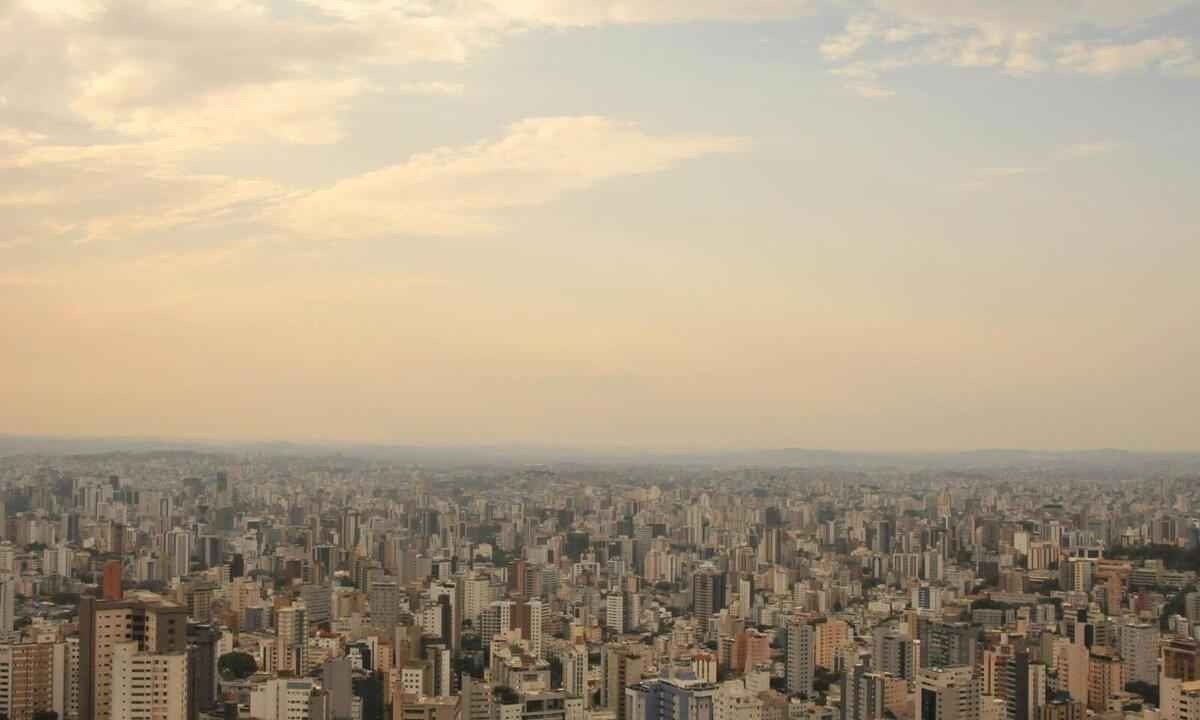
280, 699
148, 686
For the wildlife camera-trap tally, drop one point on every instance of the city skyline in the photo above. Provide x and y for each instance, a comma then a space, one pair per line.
887, 224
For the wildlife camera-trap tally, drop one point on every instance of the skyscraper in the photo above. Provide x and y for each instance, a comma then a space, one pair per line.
8, 600
801, 657
291, 634
708, 595
179, 553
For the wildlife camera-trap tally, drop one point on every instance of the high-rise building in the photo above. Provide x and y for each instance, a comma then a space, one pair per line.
111, 586
1062, 707
864, 694
497, 618
202, 652
895, 653
318, 603
695, 529
950, 693
575, 673
538, 615
419, 707
1180, 665
831, 635
148, 686
32, 679
476, 594
708, 595
1138, 648
8, 600
675, 698
336, 680
624, 665
736, 702
384, 599
281, 699
155, 625
801, 657
947, 644
291, 635
179, 553
750, 648
614, 611
349, 535
1104, 679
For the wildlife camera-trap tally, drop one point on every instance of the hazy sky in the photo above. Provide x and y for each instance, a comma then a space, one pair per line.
893, 224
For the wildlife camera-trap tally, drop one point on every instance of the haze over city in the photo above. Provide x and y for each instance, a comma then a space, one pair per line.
895, 224
599, 360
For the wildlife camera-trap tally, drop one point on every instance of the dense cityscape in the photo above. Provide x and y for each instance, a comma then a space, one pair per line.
176, 585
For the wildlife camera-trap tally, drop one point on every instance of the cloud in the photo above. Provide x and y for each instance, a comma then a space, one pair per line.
432, 87
1088, 149
461, 190
501, 14
859, 31
1003, 172
870, 91
102, 193
1168, 54
1019, 38
988, 176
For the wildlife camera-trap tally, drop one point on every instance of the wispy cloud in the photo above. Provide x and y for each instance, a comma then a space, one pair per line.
1018, 38
460, 190
987, 177
1088, 149
1168, 54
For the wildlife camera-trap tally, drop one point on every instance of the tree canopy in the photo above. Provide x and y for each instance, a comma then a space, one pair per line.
236, 665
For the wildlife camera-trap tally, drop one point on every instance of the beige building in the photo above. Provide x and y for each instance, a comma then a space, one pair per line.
148, 686
422, 707
1104, 680
156, 625
831, 635
31, 679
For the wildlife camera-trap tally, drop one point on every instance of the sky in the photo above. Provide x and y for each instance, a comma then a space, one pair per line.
670, 224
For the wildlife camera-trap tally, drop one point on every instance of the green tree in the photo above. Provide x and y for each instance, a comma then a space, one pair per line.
236, 665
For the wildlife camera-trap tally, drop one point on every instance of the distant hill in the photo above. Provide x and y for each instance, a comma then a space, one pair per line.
972, 461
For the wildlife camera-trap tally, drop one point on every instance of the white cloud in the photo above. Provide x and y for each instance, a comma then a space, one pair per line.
1169, 54
859, 30
432, 87
1088, 149
870, 91
454, 191
103, 193
562, 13
1022, 37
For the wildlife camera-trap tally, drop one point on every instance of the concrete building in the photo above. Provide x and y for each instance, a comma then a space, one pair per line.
623, 665
1138, 648
421, 707
32, 679
671, 699
148, 686
281, 699
950, 693
801, 657
157, 626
